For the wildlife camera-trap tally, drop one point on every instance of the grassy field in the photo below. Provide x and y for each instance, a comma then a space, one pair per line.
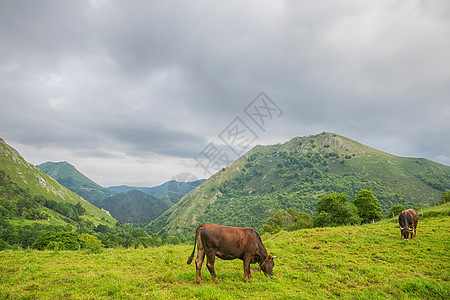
360, 262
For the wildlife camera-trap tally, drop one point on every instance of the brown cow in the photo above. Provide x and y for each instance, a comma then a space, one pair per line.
230, 243
408, 220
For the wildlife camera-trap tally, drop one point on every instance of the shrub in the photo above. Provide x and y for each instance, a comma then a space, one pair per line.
61, 240
90, 242
55, 246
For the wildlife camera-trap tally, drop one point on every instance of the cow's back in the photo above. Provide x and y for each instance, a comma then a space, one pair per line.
229, 242
408, 218
414, 216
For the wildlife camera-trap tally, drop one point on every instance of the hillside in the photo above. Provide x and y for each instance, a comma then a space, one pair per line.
298, 173
133, 207
68, 176
35, 184
351, 262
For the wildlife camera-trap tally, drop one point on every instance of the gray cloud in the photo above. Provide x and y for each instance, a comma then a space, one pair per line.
152, 83
141, 139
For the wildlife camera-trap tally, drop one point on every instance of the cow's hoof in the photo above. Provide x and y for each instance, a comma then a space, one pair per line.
246, 280
216, 280
200, 281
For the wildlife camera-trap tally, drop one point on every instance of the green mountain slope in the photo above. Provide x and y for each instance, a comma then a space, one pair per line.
298, 173
68, 176
35, 184
134, 207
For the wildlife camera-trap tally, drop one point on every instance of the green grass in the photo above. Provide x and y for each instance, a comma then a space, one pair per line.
354, 262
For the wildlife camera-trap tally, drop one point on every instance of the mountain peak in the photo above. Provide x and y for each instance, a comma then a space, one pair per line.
67, 175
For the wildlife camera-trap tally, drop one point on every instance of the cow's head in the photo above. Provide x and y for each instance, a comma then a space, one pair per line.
406, 231
267, 265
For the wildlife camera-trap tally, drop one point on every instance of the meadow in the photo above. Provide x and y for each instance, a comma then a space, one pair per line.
352, 262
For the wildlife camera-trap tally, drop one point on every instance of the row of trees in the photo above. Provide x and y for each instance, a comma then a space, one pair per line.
125, 235
122, 235
332, 210
39, 236
17, 204
336, 209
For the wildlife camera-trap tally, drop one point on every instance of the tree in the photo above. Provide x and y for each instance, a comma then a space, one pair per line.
445, 197
334, 210
275, 223
322, 219
90, 242
396, 209
290, 220
80, 209
368, 207
295, 220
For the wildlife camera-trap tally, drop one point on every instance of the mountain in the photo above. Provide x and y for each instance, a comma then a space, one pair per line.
133, 207
297, 174
173, 190
68, 176
122, 202
29, 194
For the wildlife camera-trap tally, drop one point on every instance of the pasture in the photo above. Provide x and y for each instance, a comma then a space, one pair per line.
353, 262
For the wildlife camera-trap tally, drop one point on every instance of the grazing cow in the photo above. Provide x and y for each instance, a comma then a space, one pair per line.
230, 243
408, 220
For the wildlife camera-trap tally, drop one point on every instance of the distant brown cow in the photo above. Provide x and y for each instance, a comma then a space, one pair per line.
230, 243
408, 220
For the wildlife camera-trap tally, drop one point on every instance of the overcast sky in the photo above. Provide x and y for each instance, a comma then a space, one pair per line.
136, 92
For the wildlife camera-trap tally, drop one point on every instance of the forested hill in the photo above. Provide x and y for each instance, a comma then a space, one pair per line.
67, 175
298, 173
134, 207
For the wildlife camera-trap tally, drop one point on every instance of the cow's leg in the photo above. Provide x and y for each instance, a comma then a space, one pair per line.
211, 259
198, 264
247, 274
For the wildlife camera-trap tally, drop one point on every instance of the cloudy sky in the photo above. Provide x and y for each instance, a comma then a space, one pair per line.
136, 92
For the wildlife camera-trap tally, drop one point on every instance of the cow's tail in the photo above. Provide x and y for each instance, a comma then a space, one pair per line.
193, 251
